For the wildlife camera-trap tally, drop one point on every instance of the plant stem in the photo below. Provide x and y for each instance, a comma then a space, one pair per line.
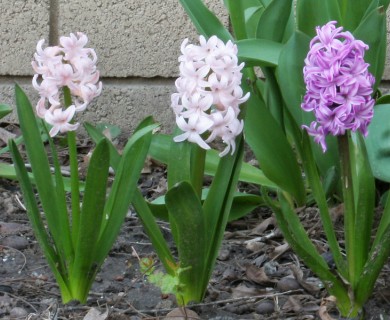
349, 207
74, 174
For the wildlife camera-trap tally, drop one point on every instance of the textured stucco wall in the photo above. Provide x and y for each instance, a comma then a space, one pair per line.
137, 43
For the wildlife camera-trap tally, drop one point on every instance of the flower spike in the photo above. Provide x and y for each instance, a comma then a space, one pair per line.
68, 65
208, 94
338, 84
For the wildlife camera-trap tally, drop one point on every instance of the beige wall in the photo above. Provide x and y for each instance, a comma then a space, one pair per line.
137, 42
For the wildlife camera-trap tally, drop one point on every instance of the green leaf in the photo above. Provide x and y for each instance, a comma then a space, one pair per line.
320, 197
259, 52
109, 130
378, 143
244, 204
290, 70
36, 221
4, 110
57, 219
153, 231
274, 21
353, 12
384, 3
159, 150
204, 20
364, 193
299, 241
179, 161
383, 99
218, 204
7, 171
313, 13
124, 186
96, 135
186, 211
252, 17
272, 149
372, 31
84, 267
378, 257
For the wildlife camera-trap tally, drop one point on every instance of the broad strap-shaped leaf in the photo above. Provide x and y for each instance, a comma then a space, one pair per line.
271, 148
4, 110
57, 218
159, 150
84, 267
124, 186
185, 209
96, 135
37, 224
290, 70
364, 193
204, 20
372, 31
273, 23
313, 13
320, 197
384, 3
259, 52
378, 143
243, 204
378, 256
252, 16
217, 205
148, 219
179, 160
7, 171
353, 11
297, 238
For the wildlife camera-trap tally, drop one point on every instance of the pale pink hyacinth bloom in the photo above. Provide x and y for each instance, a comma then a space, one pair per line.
70, 65
208, 94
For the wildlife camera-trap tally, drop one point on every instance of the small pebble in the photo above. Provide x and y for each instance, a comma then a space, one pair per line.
255, 246
287, 284
179, 314
271, 268
265, 307
164, 304
224, 255
18, 313
229, 274
16, 242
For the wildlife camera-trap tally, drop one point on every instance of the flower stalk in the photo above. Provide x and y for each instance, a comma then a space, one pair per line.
349, 209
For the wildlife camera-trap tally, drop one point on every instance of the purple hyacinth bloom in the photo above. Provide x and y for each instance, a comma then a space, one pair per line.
338, 84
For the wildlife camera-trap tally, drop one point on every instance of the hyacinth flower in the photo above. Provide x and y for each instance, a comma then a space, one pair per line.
76, 241
339, 94
209, 94
207, 105
339, 86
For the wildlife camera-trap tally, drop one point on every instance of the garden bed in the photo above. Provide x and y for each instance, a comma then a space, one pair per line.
257, 276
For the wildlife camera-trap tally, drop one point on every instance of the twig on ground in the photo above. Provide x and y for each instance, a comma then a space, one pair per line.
20, 299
